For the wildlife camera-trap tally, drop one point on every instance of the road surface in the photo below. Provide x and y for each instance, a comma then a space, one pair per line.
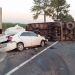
56, 60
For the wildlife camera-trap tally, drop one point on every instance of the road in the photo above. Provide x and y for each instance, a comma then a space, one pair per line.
57, 60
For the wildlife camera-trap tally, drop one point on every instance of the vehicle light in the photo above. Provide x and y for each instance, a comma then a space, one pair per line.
9, 38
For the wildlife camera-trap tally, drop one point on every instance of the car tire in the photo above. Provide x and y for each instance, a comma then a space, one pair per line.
42, 43
20, 46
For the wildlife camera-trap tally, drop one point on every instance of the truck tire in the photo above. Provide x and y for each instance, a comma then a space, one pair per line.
70, 25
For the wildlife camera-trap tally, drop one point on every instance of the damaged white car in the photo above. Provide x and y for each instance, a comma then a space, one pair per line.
11, 31
23, 39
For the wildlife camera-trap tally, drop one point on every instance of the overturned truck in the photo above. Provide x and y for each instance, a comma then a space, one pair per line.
54, 31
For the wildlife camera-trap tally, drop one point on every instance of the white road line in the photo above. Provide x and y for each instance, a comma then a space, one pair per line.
3, 57
16, 68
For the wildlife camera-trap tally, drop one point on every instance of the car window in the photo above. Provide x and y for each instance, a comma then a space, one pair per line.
24, 34
32, 34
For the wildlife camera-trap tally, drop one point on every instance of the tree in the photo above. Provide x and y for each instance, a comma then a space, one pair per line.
66, 18
41, 7
59, 7
69, 18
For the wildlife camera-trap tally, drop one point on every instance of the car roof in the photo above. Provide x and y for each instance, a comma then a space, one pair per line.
22, 32
26, 31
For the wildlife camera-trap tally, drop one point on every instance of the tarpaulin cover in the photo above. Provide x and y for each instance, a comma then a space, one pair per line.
14, 30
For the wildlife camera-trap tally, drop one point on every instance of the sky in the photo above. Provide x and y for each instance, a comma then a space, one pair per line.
19, 11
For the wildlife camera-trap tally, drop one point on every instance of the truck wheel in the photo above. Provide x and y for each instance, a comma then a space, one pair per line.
20, 46
42, 43
70, 25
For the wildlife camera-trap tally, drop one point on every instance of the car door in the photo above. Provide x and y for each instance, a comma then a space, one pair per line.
25, 37
35, 39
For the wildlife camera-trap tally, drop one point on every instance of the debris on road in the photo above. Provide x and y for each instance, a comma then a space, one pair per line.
36, 48
26, 48
25, 55
36, 51
11, 56
61, 68
25, 52
51, 47
32, 53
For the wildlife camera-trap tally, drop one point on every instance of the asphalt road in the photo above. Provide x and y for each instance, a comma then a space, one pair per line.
57, 60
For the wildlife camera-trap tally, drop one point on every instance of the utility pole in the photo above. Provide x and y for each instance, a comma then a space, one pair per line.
44, 11
61, 25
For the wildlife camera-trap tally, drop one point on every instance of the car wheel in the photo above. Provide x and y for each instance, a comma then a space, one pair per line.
20, 46
42, 43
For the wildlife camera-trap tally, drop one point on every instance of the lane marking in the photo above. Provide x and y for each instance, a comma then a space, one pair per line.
4, 56
16, 68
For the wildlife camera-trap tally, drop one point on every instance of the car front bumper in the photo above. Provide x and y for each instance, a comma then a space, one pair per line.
7, 46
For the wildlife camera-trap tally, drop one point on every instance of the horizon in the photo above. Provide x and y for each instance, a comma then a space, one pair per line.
18, 11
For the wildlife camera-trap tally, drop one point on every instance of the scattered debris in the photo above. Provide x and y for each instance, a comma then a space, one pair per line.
30, 49
32, 53
72, 41
61, 68
25, 52
51, 47
36, 48
11, 56
14, 54
26, 48
26, 56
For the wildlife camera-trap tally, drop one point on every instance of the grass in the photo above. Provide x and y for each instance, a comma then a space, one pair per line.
7, 25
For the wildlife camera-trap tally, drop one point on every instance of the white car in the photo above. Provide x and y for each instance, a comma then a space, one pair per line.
23, 39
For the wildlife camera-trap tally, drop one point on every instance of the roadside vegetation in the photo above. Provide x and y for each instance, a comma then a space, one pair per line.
7, 25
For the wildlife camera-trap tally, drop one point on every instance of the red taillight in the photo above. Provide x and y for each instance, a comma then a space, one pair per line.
9, 38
